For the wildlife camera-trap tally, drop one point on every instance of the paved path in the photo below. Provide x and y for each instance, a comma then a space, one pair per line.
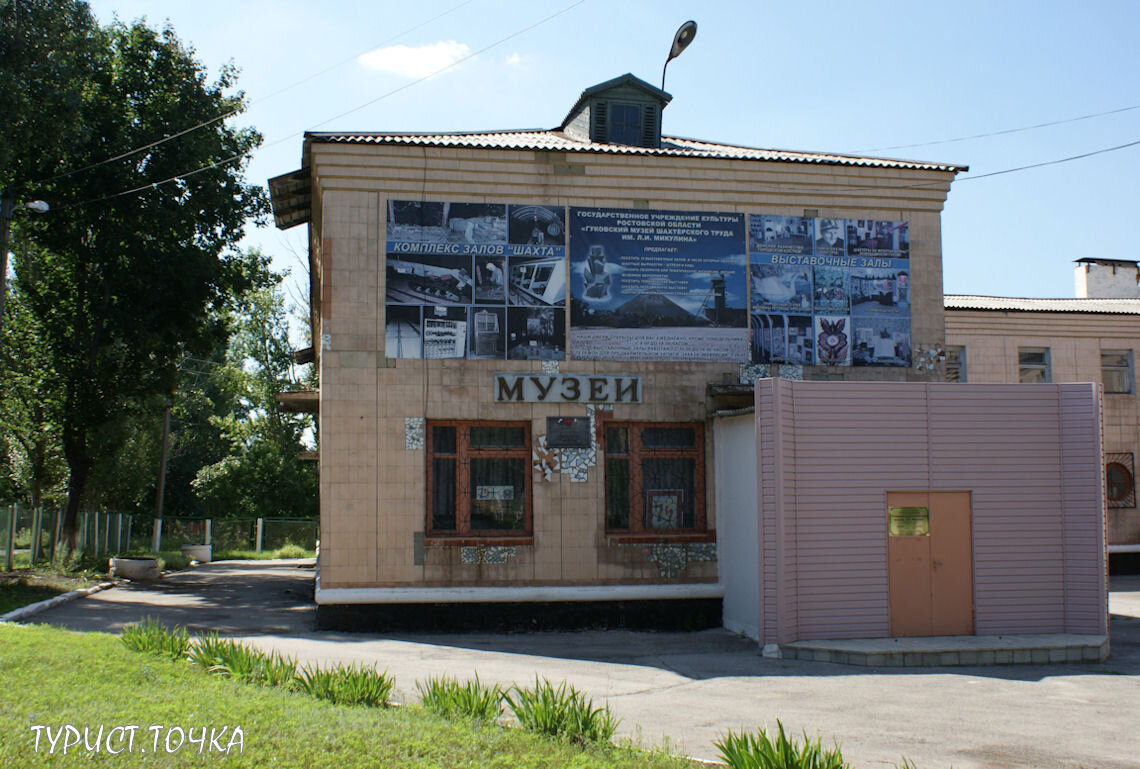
690, 687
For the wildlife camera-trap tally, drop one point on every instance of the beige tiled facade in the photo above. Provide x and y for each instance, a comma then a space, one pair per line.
1074, 341
373, 486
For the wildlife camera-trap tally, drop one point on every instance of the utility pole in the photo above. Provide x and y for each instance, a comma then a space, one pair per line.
156, 538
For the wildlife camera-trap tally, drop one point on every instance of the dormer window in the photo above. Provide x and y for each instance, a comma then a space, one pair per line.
625, 124
625, 110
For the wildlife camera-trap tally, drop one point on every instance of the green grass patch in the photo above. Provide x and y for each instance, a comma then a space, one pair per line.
285, 551
756, 750
57, 678
150, 636
27, 586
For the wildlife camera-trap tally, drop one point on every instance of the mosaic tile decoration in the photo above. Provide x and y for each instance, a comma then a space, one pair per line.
926, 358
487, 554
546, 461
671, 559
413, 433
750, 372
793, 371
574, 463
550, 367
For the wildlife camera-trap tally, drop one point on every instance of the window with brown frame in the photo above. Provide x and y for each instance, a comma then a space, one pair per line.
478, 479
655, 478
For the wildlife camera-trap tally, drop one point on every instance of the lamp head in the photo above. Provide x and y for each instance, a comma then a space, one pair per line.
681, 40
37, 206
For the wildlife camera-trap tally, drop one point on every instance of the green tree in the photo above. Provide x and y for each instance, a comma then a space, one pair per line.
261, 475
125, 285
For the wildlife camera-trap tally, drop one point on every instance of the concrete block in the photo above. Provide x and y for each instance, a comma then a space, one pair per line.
875, 660
1022, 656
1073, 654
968, 658
1003, 656
1092, 654
1040, 656
987, 657
912, 659
949, 658
1057, 655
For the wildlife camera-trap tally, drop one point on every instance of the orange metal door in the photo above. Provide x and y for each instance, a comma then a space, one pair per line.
930, 563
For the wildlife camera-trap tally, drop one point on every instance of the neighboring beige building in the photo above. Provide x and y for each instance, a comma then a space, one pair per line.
517, 333
1092, 338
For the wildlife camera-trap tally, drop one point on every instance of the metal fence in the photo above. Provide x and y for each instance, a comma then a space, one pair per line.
30, 536
255, 534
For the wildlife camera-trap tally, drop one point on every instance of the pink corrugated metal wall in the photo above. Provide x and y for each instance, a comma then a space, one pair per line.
828, 452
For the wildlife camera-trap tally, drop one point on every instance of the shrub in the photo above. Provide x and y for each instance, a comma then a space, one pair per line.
758, 751
471, 699
290, 550
346, 684
150, 636
561, 711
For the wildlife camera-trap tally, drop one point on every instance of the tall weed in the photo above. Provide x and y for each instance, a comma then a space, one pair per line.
452, 699
346, 684
562, 712
150, 636
756, 750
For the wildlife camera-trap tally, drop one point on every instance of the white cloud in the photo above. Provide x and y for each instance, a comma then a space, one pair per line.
420, 61
514, 58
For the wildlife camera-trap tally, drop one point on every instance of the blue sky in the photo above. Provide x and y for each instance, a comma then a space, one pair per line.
860, 76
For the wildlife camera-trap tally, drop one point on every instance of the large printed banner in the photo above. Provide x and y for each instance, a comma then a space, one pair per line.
657, 285
832, 292
490, 281
475, 280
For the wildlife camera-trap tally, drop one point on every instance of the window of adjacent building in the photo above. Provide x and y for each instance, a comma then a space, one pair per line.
1116, 371
955, 363
1033, 365
1120, 481
655, 480
478, 478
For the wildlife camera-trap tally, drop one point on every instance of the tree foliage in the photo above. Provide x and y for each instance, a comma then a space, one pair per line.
121, 286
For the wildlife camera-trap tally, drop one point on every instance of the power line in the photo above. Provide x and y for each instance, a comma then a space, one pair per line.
238, 110
1003, 132
294, 135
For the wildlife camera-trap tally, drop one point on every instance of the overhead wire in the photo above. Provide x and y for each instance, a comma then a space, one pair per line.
392, 92
259, 100
1004, 131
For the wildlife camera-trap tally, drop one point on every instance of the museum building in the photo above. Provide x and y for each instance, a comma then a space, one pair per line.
544, 354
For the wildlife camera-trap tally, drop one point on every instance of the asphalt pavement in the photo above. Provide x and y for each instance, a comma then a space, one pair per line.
687, 689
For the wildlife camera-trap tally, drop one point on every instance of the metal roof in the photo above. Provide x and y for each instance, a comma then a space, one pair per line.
671, 146
1017, 304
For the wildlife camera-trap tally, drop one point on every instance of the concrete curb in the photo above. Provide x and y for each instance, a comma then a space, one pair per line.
19, 615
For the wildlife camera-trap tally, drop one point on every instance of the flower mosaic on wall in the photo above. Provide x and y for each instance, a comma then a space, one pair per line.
574, 463
672, 559
487, 554
413, 433
926, 358
551, 367
750, 372
791, 371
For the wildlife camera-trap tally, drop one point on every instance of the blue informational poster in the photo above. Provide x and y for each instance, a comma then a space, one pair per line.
475, 280
838, 297
657, 285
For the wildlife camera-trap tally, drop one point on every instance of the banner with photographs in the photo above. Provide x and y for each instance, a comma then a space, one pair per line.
475, 280
832, 292
657, 285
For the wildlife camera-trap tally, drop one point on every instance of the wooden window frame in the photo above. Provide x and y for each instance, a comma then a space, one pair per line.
1124, 369
1046, 368
464, 453
637, 532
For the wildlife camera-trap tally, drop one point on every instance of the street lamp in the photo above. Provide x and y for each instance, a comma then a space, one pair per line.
681, 40
8, 209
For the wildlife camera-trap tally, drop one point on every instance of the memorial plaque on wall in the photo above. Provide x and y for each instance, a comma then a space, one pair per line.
568, 432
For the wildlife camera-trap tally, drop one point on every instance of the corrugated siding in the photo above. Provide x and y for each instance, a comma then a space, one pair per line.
1086, 593
1003, 444
1029, 454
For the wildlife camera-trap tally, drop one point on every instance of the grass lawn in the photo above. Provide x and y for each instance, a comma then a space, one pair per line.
24, 586
55, 678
